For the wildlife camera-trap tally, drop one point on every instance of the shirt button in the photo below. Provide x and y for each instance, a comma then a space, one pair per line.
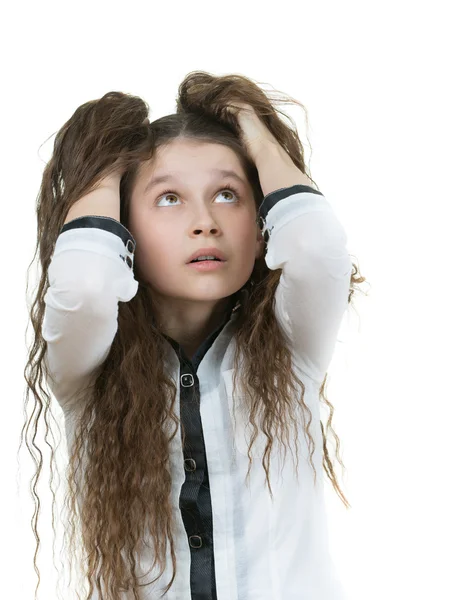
129, 261
195, 541
130, 246
187, 380
190, 464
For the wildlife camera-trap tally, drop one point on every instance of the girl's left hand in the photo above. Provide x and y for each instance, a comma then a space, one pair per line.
255, 134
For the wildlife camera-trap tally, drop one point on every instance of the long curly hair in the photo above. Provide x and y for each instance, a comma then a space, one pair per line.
126, 419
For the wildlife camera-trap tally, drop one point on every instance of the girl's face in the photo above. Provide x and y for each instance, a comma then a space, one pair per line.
194, 208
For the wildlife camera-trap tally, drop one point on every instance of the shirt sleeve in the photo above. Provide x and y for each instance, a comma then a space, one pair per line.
90, 272
306, 240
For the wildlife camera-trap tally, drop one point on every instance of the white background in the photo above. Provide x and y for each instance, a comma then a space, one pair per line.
384, 84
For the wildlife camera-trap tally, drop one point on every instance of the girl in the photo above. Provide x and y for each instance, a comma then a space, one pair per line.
183, 383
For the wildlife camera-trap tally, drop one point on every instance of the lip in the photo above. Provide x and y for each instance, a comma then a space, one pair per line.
207, 252
207, 265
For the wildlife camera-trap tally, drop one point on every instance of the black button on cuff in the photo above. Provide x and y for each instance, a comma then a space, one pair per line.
265, 231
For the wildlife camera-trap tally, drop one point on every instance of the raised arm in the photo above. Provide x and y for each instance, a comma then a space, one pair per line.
306, 240
91, 271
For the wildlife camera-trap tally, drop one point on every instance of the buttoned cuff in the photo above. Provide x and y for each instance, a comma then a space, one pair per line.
107, 224
274, 197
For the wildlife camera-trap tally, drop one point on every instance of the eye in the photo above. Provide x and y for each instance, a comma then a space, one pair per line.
227, 188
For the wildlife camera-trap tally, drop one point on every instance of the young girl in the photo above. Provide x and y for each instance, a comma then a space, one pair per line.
183, 383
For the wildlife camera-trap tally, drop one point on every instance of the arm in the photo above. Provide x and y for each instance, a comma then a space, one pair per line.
91, 270
306, 240
103, 201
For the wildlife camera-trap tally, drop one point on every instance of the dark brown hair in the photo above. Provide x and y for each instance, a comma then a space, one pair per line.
126, 418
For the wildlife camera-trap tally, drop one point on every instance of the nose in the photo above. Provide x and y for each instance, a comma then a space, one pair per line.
204, 222
213, 229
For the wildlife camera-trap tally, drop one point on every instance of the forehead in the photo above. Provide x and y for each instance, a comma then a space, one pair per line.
181, 158
195, 151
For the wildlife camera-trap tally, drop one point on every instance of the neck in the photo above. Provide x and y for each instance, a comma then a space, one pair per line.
190, 325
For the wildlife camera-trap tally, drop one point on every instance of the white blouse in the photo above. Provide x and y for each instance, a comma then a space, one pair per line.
233, 541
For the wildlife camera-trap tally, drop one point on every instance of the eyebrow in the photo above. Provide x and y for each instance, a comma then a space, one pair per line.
168, 177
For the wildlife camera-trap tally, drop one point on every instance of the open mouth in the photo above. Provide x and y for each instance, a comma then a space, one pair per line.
206, 265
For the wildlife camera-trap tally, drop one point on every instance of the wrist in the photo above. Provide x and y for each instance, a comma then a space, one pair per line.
276, 169
111, 181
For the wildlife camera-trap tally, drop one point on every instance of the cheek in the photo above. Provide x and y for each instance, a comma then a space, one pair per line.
245, 244
156, 253
246, 236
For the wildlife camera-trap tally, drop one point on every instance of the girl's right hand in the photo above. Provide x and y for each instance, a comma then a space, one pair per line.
113, 179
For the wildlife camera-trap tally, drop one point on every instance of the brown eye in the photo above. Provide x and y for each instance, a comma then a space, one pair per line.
225, 190
166, 194
228, 192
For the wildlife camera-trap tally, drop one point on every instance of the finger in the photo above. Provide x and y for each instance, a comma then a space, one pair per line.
235, 107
